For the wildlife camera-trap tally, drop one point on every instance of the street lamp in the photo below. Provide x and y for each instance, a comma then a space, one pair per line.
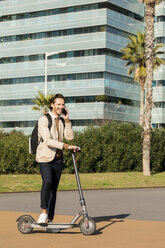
47, 54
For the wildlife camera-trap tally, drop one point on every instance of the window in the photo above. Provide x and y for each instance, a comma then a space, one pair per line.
72, 9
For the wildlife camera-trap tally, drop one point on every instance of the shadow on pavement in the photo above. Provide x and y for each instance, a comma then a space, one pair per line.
109, 219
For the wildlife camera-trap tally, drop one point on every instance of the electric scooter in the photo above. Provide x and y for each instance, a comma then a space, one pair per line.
87, 225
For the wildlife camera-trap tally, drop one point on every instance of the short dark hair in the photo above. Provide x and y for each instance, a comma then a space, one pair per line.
52, 100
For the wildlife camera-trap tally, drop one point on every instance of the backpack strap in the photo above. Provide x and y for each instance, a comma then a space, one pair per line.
49, 124
49, 120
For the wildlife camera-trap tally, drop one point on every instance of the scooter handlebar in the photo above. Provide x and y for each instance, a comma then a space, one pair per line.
77, 150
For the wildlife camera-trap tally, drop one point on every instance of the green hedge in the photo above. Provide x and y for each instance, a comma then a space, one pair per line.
116, 147
158, 150
112, 147
14, 155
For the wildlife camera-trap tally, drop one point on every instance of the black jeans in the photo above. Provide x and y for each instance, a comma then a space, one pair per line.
51, 173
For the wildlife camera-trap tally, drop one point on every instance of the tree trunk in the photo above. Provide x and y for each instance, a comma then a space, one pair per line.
141, 116
149, 48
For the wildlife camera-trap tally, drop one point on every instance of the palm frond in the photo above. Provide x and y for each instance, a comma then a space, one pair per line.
131, 69
129, 63
158, 46
42, 102
130, 58
36, 108
41, 96
37, 101
134, 54
141, 38
132, 38
140, 74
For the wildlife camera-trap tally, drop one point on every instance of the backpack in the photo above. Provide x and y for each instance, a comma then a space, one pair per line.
33, 140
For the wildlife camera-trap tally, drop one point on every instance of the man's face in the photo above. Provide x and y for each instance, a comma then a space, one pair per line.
57, 106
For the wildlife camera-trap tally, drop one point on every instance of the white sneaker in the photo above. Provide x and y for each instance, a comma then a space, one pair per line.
42, 218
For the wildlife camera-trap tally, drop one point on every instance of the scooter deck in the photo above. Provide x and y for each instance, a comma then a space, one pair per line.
53, 225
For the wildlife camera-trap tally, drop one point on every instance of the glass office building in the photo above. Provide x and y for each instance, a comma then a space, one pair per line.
85, 38
158, 117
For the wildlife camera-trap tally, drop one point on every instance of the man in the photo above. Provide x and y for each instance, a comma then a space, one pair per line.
49, 154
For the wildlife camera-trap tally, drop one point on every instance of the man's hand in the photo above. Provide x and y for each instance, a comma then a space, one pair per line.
66, 117
73, 148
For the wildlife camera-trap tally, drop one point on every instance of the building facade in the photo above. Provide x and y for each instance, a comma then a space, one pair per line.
82, 42
158, 117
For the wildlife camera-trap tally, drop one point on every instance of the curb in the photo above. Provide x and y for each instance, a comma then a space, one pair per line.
156, 187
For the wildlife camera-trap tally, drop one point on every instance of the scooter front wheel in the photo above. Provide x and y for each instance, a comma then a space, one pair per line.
24, 225
87, 230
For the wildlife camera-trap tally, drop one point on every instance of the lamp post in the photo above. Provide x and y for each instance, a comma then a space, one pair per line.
47, 54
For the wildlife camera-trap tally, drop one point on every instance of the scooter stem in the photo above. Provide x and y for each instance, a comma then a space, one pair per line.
82, 201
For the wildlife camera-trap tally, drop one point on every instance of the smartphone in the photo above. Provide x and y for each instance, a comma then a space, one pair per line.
64, 111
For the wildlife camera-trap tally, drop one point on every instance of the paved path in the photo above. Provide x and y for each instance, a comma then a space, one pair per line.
125, 219
139, 204
111, 233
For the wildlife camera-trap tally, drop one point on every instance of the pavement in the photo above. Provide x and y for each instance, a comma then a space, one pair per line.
115, 233
134, 204
117, 213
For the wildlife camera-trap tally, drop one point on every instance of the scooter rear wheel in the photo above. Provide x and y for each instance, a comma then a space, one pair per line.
24, 225
91, 226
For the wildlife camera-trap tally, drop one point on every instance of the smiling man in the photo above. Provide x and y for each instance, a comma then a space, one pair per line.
49, 153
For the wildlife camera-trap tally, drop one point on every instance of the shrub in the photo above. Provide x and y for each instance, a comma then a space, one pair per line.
158, 150
14, 156
112, 147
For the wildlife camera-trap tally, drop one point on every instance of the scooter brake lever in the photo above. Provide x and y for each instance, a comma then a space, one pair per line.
79, 150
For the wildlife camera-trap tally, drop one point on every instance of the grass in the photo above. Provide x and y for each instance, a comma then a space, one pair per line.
24, 183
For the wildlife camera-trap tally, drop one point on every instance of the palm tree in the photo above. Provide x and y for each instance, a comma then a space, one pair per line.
149, 56
42, 102
134, 53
